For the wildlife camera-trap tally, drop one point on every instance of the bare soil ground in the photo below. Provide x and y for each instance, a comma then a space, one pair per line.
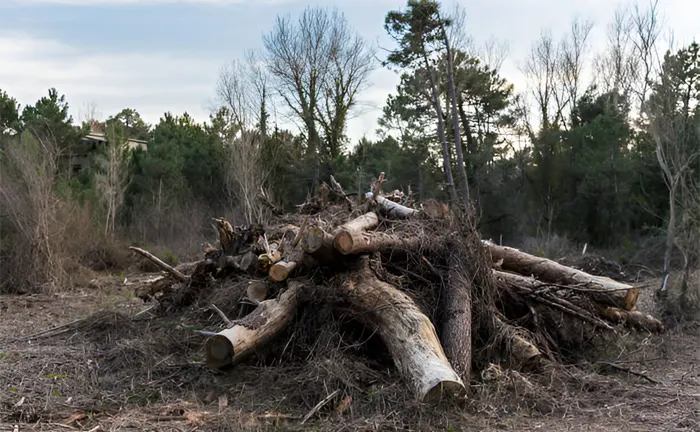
98, 376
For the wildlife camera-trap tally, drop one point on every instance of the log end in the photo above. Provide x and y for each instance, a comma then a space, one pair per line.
631, 298
343, 242
444, 390
219, 352
257, 290
312, 240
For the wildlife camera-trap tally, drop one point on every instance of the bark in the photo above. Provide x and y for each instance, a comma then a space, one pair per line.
266, 322
407, 332
360, 242
457, 319
603, 290
361, 223
461, 170
446, 158
394, 209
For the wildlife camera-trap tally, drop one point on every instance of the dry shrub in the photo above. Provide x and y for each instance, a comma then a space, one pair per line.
178, 228
43, 234
552, 247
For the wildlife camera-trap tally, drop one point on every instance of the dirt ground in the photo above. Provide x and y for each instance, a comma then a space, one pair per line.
72, 381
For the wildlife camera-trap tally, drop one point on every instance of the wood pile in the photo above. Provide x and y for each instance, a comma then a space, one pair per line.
442, 300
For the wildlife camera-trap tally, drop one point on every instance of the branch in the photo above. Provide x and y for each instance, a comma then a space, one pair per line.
155, 260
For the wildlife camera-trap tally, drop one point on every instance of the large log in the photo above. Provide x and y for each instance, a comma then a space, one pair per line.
360, 242
603, 290
457, 318
407, 332
259, 327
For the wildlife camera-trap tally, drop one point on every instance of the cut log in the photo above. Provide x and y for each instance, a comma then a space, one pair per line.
314, 239
603, 290
523, 354
457, 318
407, 332
392, 209
282, 269
360, 242
257, 290
633, 319
267, 321
365, 222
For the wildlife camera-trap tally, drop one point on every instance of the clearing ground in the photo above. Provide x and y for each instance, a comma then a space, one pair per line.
98, 375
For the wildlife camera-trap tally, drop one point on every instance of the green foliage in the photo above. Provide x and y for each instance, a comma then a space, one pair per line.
9, 114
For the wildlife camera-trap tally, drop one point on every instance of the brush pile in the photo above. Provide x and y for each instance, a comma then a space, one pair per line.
442, 300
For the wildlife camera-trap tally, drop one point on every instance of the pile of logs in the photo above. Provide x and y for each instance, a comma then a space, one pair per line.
431, 350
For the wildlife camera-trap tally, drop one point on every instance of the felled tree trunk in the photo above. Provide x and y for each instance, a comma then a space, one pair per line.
603, 290
407, 332
393, 209
360, 242
457, 319
258, 328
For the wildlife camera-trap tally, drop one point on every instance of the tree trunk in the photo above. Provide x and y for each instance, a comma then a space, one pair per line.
407, 332
603, 290
455, 123
446, 158
457, 319
258, 328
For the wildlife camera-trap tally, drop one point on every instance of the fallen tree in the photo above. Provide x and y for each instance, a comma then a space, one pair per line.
440, 299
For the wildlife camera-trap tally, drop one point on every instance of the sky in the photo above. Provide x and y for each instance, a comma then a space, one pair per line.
165, 55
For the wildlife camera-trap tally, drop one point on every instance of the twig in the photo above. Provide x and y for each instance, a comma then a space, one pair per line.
221, 314
629, 371
50, 332
320, 405
155, 260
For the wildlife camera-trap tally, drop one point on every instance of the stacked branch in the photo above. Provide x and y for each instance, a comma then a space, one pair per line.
428, 331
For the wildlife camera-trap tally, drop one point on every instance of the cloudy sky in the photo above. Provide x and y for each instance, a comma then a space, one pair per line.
165, 55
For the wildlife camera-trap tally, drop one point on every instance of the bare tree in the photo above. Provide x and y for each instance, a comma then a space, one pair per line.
318, 57
112, 176
646, 31
247, 173
461, 168
494, 53
673, 123
31, 210
540, 70
617, 66
573, 50
242, 88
